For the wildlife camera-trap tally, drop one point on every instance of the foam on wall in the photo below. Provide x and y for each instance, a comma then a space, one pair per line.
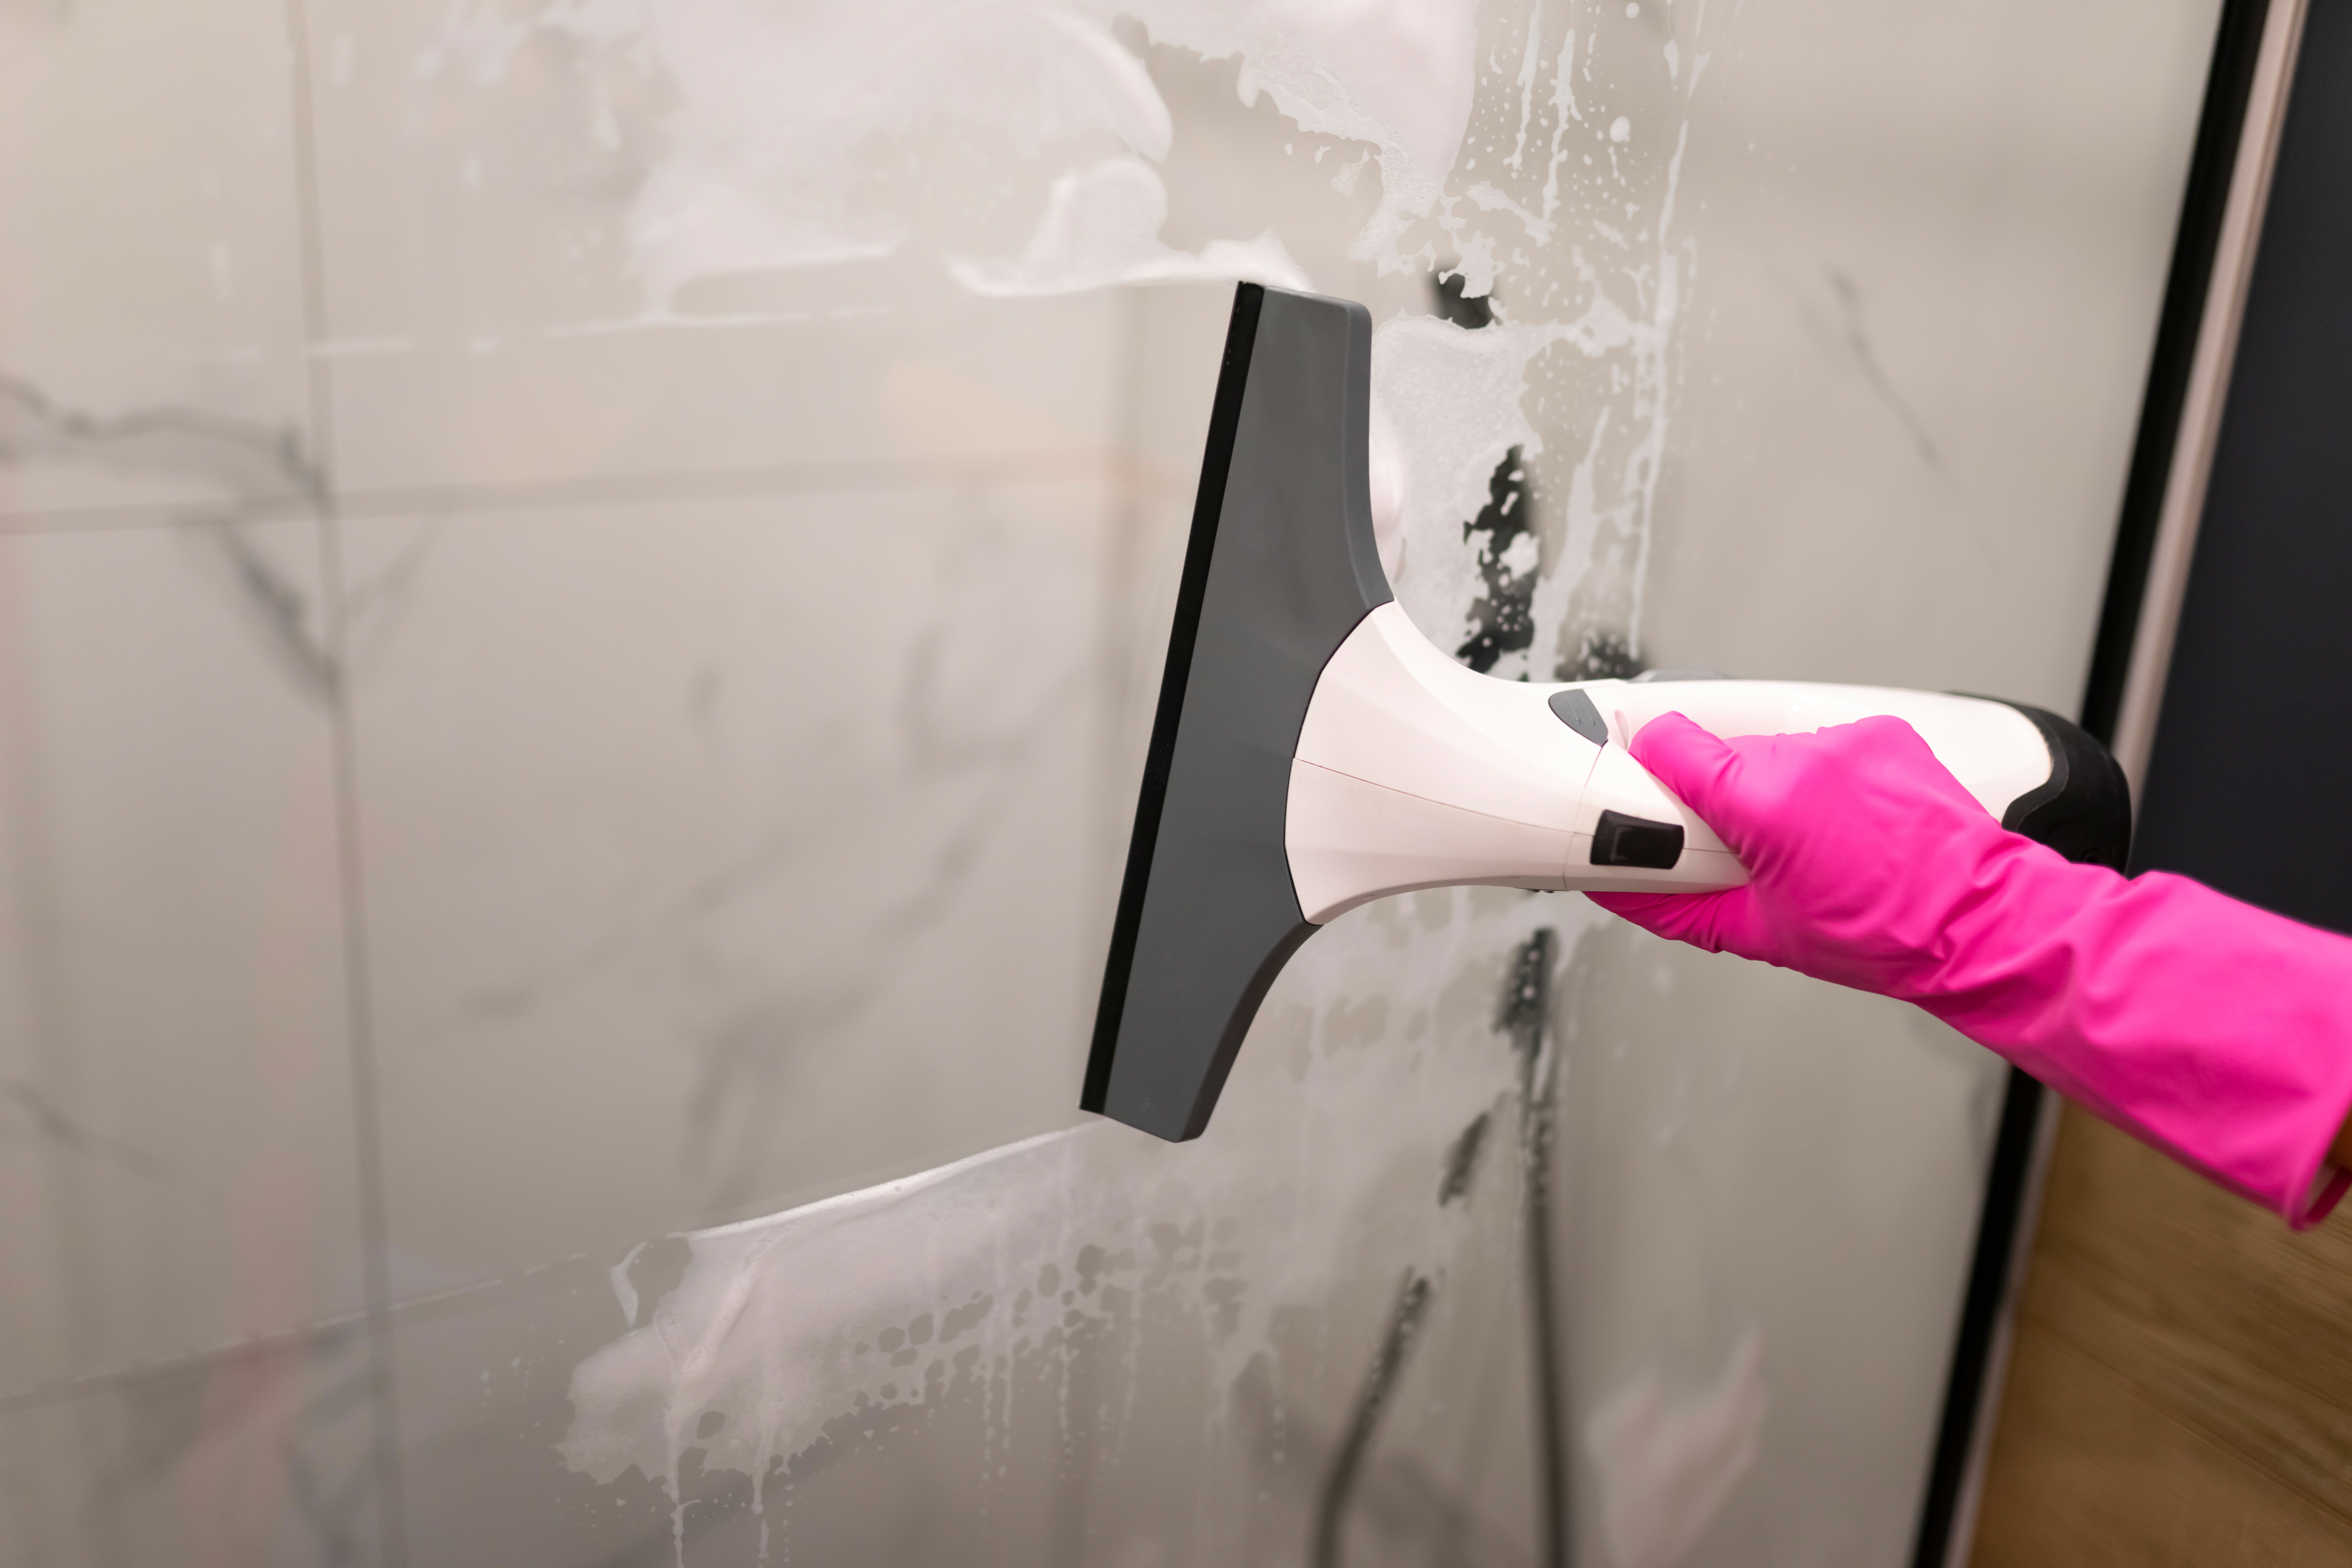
798, 137
784, 115
1376, 1051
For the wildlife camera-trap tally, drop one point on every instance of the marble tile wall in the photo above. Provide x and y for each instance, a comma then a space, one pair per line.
539, 743
177, 1065
265, 1454
744, 867
152, 276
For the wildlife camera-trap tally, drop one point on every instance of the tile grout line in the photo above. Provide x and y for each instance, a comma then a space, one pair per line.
33, 888
637, 489
392, 1522
1114, 653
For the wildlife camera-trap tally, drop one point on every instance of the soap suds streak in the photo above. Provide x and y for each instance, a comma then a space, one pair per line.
786, 119
1526, 1016
1528, 59
1461, 406
889, 1296
1461, 396
792, 131
1508, 550
1403, 1325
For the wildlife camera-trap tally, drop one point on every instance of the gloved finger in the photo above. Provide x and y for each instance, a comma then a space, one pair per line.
1701, 770
1712, 921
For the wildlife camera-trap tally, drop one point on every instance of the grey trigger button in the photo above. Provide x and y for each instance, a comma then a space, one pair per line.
1621, 840
1575, 709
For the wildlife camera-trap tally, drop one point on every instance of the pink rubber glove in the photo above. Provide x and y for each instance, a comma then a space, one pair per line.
2218, 1033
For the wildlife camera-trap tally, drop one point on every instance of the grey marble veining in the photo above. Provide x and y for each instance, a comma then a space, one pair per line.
259, 1454
245, 461
235, 473
148, 188
172, 1013
1852, 329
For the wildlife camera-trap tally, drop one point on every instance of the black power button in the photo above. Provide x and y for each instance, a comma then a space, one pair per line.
1621, 840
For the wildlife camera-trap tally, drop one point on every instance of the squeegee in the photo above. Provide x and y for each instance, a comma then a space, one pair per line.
1313, 751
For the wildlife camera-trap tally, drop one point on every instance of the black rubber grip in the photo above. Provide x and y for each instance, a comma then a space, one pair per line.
2083, 808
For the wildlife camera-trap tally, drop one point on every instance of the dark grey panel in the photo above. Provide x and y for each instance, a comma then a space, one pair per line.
1281, 567
2254, 707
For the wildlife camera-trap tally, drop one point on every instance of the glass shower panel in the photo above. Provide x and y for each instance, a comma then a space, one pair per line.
582, 586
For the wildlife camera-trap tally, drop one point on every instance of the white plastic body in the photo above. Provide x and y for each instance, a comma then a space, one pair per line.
1413, 771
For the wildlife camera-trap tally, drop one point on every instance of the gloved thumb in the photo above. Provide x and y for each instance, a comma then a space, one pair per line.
1701, 770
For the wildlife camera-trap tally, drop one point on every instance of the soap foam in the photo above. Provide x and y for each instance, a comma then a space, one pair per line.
883, 1296
1102, 227
778, 110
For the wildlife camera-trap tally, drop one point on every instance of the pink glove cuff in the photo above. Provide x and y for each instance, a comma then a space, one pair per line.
2218, 1032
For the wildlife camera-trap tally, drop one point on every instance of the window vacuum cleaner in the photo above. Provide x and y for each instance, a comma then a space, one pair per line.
1313, 751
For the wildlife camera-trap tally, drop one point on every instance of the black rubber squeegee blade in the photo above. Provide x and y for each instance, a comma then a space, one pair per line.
1281, 567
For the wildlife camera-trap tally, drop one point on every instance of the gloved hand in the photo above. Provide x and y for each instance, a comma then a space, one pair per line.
2213, 1031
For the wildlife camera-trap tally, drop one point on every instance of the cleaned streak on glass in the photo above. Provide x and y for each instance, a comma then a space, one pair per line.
1526, 1010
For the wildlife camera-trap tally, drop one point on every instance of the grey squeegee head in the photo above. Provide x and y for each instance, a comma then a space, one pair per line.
1280, 568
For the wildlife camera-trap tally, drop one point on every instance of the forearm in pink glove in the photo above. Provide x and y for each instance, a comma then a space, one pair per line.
2218, 1033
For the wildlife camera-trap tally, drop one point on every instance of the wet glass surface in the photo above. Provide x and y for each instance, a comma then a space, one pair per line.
582, 586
